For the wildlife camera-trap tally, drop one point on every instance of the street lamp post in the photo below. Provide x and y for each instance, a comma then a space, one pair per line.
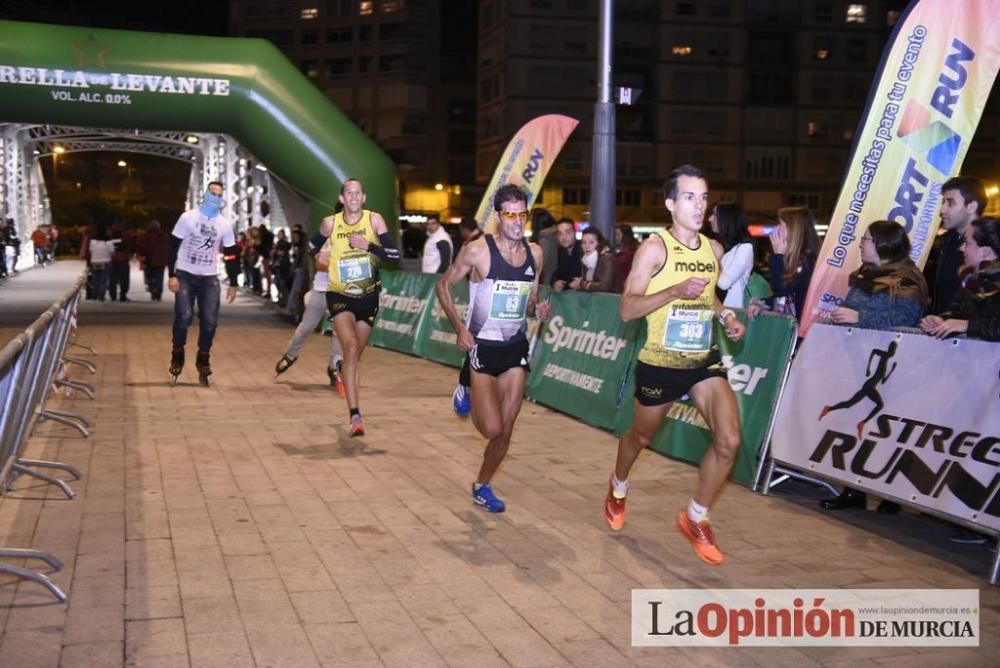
56, 152
128, 178
602, 173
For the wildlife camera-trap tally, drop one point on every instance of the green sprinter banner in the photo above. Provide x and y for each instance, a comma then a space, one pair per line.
756, 367
582, 357
404, 299
436, 336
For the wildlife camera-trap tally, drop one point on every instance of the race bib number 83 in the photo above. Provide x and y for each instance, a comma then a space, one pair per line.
509, 300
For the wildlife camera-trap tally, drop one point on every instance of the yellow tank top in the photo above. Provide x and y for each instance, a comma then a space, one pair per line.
353, 272
679, 334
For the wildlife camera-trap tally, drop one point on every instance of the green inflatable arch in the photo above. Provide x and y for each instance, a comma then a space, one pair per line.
245, 88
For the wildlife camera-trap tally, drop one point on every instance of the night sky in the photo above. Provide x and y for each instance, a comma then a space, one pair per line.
207, 17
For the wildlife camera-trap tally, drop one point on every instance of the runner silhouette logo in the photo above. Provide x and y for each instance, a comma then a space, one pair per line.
869, 388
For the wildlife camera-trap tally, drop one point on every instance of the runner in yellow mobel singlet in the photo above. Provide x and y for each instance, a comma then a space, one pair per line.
672, 285
359, 240
353, 271
679, 334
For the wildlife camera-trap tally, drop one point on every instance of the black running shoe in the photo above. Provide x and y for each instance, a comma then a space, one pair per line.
284, 364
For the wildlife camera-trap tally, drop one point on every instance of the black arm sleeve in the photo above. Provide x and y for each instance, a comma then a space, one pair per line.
231, 255
175, 246
444, 248
387, 251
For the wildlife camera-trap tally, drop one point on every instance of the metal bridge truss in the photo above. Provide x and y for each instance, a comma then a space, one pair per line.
250, 196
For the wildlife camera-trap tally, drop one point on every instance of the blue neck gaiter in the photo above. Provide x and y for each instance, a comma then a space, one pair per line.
212, 205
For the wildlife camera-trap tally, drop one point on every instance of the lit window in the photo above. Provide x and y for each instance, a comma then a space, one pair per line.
822, 54
391, 6
366, 7
309, 13
892, 18
681, 50
310, 68
857, 13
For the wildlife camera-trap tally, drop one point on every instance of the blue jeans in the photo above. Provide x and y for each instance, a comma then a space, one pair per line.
100, 273
206, 292
154, 280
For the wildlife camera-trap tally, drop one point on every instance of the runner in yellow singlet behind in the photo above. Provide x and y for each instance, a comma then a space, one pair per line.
672, 285
359, 239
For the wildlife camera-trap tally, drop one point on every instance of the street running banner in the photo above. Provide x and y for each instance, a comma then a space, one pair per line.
935, 76
864, 407
526, 161
756, 368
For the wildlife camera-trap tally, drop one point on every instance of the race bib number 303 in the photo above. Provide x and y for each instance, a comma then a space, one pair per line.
688, 330
509, 300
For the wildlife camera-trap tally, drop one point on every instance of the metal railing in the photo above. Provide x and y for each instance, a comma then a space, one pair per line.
30, 366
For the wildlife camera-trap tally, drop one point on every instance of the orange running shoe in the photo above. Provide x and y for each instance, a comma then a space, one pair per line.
337, 380
614, 509
700, 535
357, 427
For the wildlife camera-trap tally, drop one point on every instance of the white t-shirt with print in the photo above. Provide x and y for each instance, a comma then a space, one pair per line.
201, 240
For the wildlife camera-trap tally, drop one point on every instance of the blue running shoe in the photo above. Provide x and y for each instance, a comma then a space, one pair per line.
484, 497
461, 401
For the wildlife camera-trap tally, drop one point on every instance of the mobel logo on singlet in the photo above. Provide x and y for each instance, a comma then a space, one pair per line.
700, 267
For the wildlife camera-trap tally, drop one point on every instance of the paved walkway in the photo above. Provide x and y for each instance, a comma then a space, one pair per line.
238, 526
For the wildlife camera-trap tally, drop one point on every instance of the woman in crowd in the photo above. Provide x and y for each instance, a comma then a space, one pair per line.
729, 224
887, 291
99, 250
599, 266
795, 247
975, 311
626, 245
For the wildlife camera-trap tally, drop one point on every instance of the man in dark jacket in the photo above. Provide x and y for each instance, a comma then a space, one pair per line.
568, 263
154, 248
120, 263
963, 199
544, 233
264, 248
